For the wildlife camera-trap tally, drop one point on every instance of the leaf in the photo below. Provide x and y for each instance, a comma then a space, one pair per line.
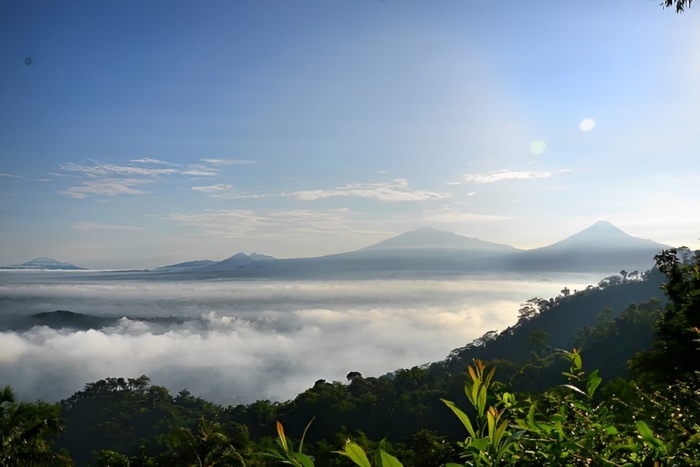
489, 376
303, 459
303, 436
593, 383
648, 436
387, 460
574, 388
282, 438
472, 374
355, 453
462, 416
491, 420
499, 432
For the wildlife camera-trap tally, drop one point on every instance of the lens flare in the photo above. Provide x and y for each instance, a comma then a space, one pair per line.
538, 147
586, 125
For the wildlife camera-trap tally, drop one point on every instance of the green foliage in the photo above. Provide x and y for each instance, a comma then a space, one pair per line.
674, 355
25, 429
489, 441
206, 446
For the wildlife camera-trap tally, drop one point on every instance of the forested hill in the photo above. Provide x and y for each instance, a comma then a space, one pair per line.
131, 416
566, 321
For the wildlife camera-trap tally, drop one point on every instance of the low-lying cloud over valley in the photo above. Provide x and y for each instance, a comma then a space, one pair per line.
239, 341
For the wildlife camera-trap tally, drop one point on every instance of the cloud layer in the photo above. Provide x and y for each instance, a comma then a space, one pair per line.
249, 340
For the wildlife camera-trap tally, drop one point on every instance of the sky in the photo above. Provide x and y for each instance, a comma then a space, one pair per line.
140, 134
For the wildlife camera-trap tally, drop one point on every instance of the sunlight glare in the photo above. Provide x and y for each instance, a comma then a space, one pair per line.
586, 125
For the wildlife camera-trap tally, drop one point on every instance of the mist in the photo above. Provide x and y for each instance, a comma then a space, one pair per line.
243, 341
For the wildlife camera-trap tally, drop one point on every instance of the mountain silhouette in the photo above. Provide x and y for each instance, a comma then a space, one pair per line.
44, 263
427, 237
599, 248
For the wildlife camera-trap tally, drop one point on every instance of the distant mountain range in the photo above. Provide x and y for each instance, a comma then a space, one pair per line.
601, 248
44, 263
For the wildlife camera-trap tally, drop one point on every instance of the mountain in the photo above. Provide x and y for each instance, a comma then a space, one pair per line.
189, 264
426, 252
239, 260
429, 238
44, 263
602, 247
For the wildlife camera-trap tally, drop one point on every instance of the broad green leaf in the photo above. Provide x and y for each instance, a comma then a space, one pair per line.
576, 359
303, 459
356, 454
462, 416
387, 460
452, 464
499, 433
491, 420
481, 444
648, 436
481, 407
593, 383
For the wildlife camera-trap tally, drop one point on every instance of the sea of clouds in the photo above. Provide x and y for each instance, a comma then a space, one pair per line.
247, 340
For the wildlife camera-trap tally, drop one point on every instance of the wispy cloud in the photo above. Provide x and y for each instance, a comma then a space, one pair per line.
148, 160
19, 177
107, 187
502, 175
452, 216
243, 223
218, 188
395, 191
201, 172
111, 170
229, 161
104, 179
91, 226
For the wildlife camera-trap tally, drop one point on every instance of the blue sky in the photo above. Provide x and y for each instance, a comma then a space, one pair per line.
147, 133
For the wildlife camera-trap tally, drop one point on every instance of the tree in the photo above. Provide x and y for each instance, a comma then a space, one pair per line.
24, 428
679, 4
206, 446
675, 355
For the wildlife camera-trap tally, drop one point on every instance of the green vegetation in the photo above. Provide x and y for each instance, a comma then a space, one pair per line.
517, 409
24, 432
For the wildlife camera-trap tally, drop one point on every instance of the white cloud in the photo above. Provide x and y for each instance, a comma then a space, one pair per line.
395, 191
219, 187
201, 172
148, 160
279, 340
19, 177
501, 175
91, 226
107, 187
112, 170
229, 161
